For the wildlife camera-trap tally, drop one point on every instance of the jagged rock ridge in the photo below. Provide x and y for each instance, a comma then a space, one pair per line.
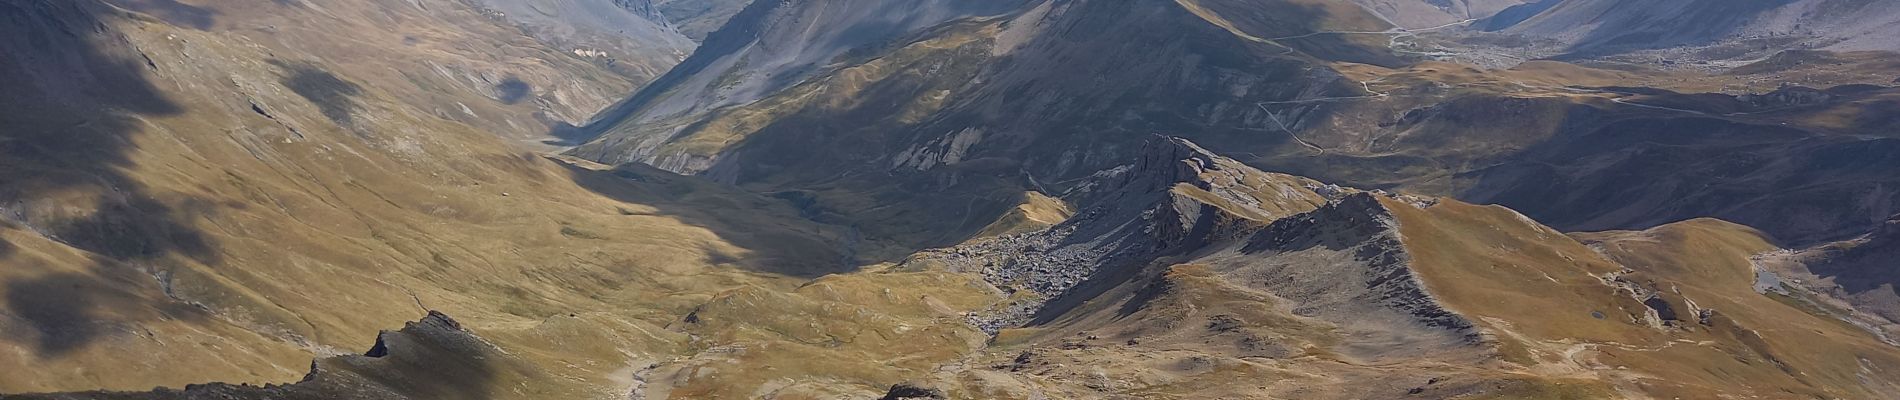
1176, 198
431, 358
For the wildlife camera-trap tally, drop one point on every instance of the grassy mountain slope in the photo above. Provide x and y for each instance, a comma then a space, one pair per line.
241, 206
244, 200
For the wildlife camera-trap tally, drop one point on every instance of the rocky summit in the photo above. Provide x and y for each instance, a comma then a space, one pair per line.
949, 199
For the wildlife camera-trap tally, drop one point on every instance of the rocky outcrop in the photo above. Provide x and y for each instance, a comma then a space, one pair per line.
908, 391
1176, 197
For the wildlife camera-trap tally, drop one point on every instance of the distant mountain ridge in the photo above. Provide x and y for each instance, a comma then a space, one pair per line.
1620, 25
1290, 82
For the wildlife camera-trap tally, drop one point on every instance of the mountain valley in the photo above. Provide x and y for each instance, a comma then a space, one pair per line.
949, 199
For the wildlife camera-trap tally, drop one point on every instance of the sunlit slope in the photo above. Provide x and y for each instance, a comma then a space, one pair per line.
222, 202
516, 72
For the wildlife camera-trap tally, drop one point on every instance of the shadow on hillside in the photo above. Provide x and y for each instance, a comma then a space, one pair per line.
1628, 168
1300, 23
755, 223
61, 307
76, 92
512, 90
1710, 22
333, 96
70, 310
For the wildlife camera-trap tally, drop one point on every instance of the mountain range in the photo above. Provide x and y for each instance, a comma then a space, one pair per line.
935, 199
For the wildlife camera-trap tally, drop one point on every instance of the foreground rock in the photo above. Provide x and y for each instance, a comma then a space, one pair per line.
432, 358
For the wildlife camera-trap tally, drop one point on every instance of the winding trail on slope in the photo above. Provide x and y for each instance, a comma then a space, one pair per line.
1400, 32
1289, 130
1296, 137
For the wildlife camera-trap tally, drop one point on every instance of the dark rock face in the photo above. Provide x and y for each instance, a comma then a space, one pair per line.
1662, 308
378, 350
907, 391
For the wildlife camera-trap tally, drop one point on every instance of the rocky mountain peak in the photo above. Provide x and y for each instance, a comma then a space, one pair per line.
436, 321
1175, 197
1353, 217
1167, 160
1191, 174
